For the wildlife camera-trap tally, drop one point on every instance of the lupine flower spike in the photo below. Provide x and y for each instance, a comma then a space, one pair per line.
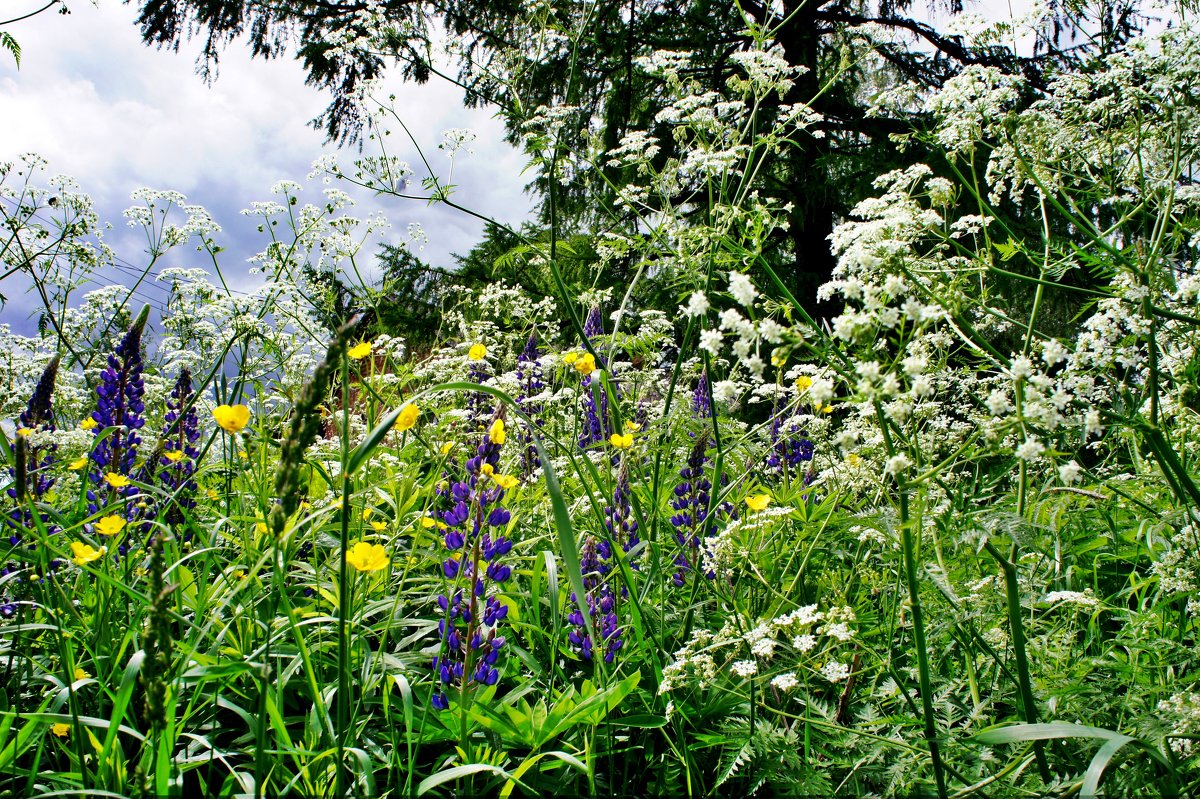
181, 436
35, 479
479, 404
596, 425
532, 382
601, 576
692, 521
472, 612
119, 409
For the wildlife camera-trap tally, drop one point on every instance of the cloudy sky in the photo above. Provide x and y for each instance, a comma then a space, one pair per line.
116, 115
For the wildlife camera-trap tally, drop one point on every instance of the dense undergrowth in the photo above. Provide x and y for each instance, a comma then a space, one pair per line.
946, 543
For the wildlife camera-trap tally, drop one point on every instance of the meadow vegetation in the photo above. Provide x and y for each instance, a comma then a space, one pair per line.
934, 530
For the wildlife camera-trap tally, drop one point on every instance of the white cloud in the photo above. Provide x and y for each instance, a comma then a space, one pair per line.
117, 115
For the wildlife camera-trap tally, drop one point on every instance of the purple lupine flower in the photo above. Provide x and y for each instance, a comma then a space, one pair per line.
531, 380
181, 437
596, 425
692, 521
119, 406
789, 448
37, 417
601, 604
471, 609
479, 404
593, 326
702, 398
596, 567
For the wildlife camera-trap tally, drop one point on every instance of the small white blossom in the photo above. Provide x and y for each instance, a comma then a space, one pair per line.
785, 682
835, 672
744, 668
710, 341
742, 289
1070, 472
1030, 450
697, 305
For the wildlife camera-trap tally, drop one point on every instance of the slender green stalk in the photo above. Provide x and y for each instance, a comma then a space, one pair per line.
1012, 592
910, 571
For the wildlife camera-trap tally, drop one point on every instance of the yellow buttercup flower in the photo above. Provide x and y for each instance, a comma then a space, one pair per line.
232, 418
803, 383
379, 527
61, 730
585, 364
827, 409
360, 350
174, 455
367, 557
25, 431
428, 521
80, 674
621, 441
506, 481
477, 352
366, 514
570, 358
260, 527
88, 424
758, 502
116, 480
632, 427
487, 468
445, 448
407, 420
85, 553
496, 432
852, 459
77, 464
110, 525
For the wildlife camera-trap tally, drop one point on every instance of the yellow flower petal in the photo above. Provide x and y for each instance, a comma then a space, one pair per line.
477, 352
409, 413
621, 441
110, 525
80, 674
25, 431
803, 383
77, 464
445, 448
174, 456
116, 480
61, 730
496, 432
570, 358
505, 481
758, 502
367, 557
379, 527
85, 553
88, 424
585, 364
360, 350
232, 418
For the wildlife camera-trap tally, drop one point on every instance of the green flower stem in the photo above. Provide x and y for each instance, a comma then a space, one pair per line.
343, 695
914, 595
1012, 593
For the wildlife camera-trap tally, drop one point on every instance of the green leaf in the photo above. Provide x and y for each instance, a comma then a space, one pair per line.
10, 44
458, 772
